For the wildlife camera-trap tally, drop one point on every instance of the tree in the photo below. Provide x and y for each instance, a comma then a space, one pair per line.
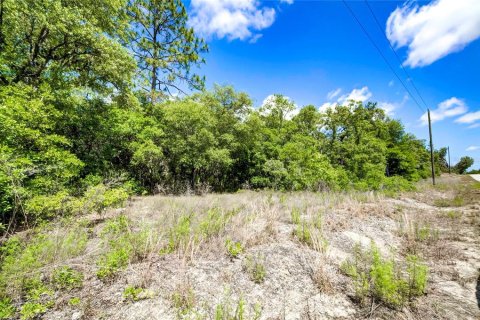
63, 42
164, 46
464, 163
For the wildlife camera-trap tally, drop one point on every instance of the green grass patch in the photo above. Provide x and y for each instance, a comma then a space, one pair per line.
383, 280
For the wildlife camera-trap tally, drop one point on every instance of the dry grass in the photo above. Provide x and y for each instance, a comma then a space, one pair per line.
181, 255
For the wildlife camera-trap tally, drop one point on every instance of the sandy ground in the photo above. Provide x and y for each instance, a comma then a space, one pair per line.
301, 282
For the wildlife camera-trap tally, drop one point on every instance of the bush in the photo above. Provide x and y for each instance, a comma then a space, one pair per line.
31, 310
67, 278
122, 246
7, 309
23, 260
382, 279
132, 293
234, 248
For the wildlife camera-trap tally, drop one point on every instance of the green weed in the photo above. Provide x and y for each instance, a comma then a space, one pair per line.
234, 248
132, 293
178, 234
31, 310
183, 299
7, 309
24, 259
457, 201
67, 278
75, 301
255, 267
231, 310
453, 214
123, 245
382, 279
295, 215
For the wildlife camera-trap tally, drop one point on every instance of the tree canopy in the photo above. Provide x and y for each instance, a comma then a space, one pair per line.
78, 131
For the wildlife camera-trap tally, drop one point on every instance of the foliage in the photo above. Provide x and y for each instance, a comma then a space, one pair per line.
31, 310
464, 163
234, 248
67, 278
162, 41
382, 279
75, 301
23, 260
123, 243
7, 309
132, 293
78, 132
255, 267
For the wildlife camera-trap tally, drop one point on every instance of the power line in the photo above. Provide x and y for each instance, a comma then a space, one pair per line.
381, 54
395, 52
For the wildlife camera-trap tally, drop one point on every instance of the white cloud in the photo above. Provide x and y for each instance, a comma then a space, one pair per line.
327, 105
434, 30
334, 93
361, 94
473, 148
388, 107
255, 38
231, 19
287, 1
473, 126
470, 117
449, 108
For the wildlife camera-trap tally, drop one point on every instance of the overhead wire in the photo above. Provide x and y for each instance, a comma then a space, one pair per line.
381, 54
396, 54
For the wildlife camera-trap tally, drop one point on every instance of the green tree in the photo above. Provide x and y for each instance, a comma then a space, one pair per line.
164, 47
464, 163
64, 42
194, 157
34, 161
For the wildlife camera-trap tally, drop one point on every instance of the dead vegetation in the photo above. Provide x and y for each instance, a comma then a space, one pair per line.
267, 255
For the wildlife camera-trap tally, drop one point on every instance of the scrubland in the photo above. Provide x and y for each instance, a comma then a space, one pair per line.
255, 255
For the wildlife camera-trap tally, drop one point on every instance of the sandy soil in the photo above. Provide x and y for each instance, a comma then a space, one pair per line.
301, 282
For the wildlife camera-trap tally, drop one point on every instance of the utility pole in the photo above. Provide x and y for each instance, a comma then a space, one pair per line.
431, 146
449, 166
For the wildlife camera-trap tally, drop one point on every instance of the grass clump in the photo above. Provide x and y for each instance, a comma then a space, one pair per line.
122, 246
214, 222
132, 293
457, 201
67, 278
31, 310
311, 234
382, 280
295, 215
255, 267
75, 301
453, 214
183, 299
25, 258
229, 310
178, 234
234, 248
7, 309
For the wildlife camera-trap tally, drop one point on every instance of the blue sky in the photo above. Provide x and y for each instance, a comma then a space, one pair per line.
315, 53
